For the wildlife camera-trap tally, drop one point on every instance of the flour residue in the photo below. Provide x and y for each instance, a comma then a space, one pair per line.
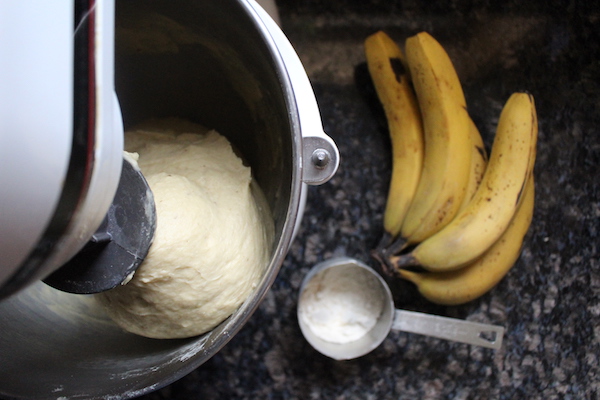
341, 305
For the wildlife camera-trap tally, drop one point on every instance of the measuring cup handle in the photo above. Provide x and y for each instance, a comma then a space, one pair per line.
456, 330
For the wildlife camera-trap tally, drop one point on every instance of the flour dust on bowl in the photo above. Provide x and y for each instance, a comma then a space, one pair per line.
346, 310
223, 64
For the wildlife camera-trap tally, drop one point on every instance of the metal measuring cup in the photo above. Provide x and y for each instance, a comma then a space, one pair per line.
389, 318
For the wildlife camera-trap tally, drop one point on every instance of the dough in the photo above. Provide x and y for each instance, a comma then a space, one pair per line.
211, 244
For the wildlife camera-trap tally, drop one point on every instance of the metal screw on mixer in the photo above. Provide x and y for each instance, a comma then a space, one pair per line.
320, 158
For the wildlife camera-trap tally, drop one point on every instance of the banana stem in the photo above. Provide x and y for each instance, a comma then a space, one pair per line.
386, 240
403, 261
396, 246
388, 247
386, 268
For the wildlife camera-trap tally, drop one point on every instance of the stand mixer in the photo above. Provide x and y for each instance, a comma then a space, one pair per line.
73, 211
224, 64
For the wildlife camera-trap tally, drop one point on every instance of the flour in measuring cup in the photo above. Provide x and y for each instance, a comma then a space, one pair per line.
341, 305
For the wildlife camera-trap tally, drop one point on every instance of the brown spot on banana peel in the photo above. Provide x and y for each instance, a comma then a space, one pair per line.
443, 211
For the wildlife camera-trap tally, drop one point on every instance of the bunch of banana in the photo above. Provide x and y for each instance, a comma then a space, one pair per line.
468, 283
464, 223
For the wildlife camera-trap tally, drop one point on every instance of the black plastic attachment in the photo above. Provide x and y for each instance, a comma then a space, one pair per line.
119, 245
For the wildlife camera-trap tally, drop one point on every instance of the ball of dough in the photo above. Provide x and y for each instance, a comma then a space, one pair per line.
211, 243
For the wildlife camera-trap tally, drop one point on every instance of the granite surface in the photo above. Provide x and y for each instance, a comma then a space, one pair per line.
549, 303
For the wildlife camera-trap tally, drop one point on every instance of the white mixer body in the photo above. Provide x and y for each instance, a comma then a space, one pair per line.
61, 133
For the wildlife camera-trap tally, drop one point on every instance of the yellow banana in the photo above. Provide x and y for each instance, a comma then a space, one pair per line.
478, 164
386, 63
490, 211
476, 279
447, 160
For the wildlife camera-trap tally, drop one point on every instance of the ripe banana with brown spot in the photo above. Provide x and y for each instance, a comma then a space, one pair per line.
444, 178
476, 279
492, 208
479, 161
391, 79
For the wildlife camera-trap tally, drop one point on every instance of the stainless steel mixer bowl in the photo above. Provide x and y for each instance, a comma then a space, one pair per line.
209, 62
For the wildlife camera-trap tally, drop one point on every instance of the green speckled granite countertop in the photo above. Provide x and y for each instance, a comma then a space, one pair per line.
549, 303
